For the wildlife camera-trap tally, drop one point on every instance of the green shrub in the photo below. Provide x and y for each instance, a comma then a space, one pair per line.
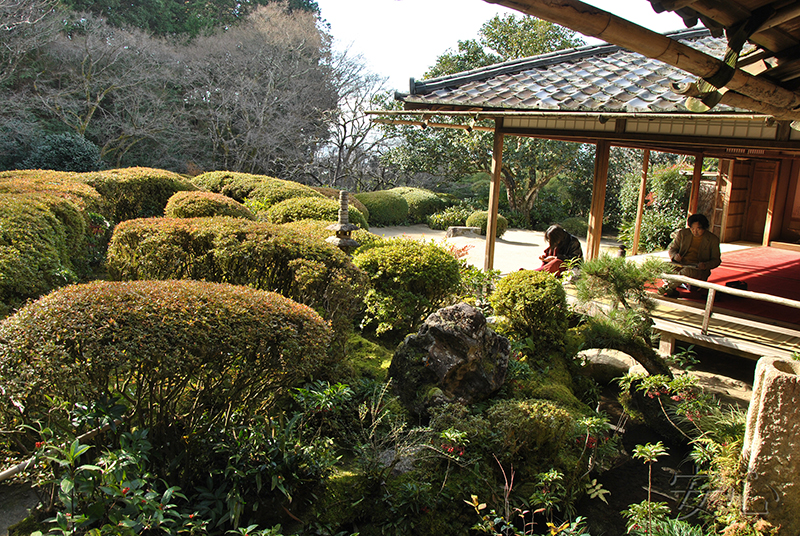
35, 257
205, 204
64, 152
257, 254
176, 351
260, 191
385, 207
576, 226
410, 280
530, 429
319, 230
333, 193
534, 307
455, 216
421, 203
656, 231
136, 192
311, 208
69, 186
481, 219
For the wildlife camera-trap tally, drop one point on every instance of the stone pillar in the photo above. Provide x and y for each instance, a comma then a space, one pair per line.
772, 445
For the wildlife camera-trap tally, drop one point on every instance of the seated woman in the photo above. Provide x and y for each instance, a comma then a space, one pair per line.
562, 246
696, 249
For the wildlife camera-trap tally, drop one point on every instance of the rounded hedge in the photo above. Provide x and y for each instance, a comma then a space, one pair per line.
35, 256
136, 192
454, 216
63, 184
260, 190
481, 219
174, 350
421, 203
534, 305
232, 250
333, 193
205, 204
385, 207
311, 208
410, 280
534, 430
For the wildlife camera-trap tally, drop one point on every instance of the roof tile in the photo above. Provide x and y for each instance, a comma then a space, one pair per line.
592, 78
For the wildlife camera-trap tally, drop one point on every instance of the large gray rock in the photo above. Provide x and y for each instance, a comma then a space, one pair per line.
605, 365
772, 445
454, 357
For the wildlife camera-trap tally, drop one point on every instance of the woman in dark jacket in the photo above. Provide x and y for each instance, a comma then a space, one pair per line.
562, 246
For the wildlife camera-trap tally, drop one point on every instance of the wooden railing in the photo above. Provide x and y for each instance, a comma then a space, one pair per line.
713, 288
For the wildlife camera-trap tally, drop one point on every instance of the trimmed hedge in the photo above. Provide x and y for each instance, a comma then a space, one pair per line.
385, 207
205, 204
534, 305
410, 280
136, 192
535, 431
352, 201
311, 208
421, 203
256, 254
174, 350
481, 219
63, 184
454, 216
262, 190
35, 252
319, 230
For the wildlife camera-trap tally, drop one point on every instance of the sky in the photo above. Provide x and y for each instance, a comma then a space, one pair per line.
401, 39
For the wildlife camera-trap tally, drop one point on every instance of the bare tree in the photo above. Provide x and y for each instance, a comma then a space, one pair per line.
260, 92
107, 84
350, 158
25, 26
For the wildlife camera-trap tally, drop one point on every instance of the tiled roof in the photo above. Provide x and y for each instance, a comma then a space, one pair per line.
600, 78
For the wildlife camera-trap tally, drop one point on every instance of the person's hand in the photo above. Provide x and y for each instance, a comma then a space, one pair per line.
701, 266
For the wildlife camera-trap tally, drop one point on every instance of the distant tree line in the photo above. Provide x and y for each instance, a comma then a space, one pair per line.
249, 86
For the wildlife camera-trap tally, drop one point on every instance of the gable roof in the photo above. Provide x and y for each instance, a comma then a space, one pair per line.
597, 78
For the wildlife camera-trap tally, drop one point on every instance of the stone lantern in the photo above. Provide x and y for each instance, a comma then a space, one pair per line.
343, 228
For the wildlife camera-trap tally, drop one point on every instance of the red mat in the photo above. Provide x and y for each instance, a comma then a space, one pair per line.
764, 269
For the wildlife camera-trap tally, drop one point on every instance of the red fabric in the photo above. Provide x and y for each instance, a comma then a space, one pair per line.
764, 269
554, 267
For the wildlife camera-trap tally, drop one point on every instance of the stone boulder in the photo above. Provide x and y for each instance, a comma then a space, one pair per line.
605, 365
455, 357
771, 445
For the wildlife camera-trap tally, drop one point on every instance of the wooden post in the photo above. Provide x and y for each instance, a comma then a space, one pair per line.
494, 195
598, 199
773, 193
694, 197
637, 229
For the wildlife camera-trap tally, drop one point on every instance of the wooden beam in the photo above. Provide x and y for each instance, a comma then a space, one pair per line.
637, 230
694, 196
591, 21
595, 232
494, 195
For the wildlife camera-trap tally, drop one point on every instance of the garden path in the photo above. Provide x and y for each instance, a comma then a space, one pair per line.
516, 249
